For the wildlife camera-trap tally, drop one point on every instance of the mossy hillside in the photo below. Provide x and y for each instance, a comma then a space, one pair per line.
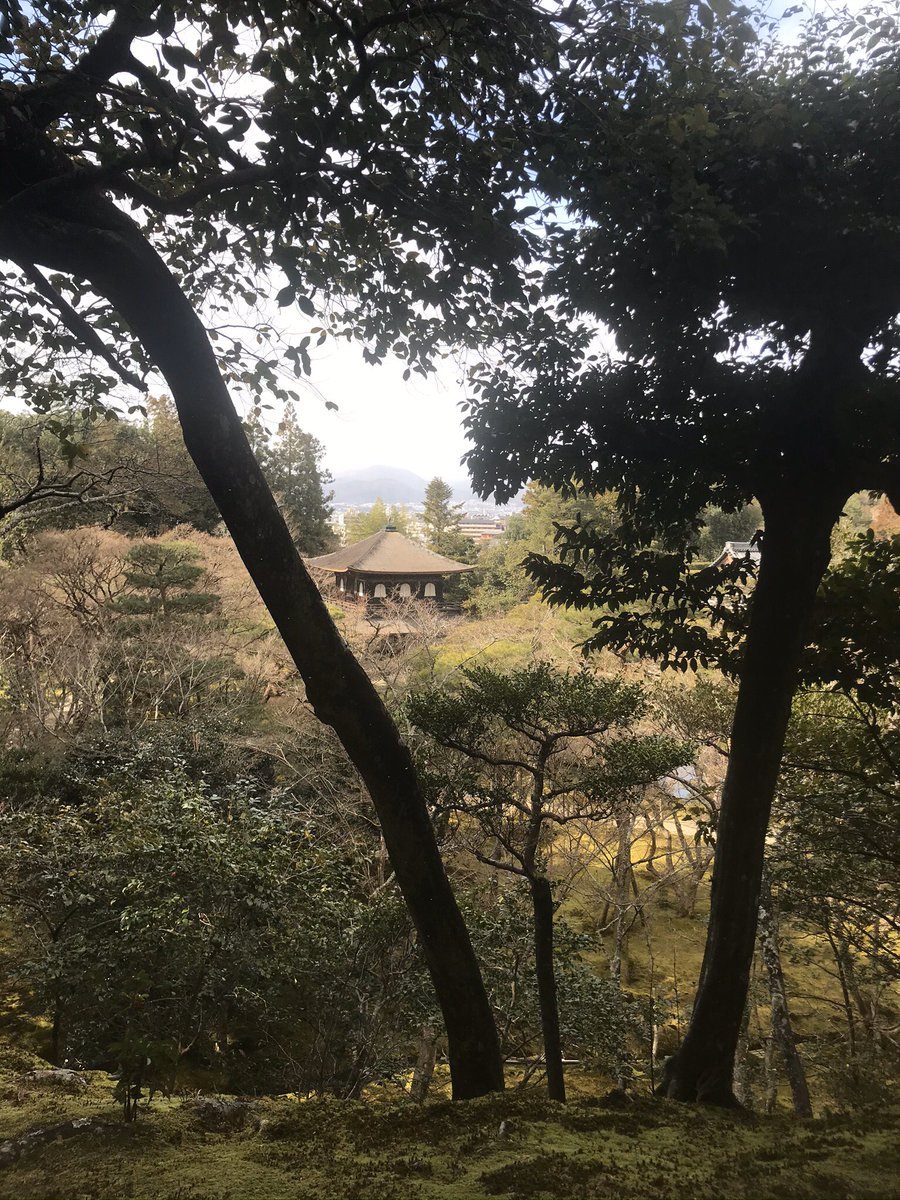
515, 1146
664, 952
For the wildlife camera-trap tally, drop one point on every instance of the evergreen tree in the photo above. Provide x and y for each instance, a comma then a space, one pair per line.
441, 520
292, 465
363, 523
169, 490
161, 578
550, 749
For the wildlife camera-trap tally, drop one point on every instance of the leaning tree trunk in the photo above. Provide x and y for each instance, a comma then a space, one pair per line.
795, 554
85, 235
542, 903
782, 1029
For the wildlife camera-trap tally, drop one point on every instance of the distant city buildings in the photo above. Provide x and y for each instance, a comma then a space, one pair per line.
482, 530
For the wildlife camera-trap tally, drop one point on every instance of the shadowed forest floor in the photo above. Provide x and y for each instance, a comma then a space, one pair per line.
512, 1146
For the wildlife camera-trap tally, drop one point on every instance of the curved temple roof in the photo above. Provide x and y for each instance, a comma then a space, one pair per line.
388, 553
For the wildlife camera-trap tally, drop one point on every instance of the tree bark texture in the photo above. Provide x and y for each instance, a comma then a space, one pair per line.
424, 1069
782, 1029
795, 554
743, 1088
542, 903
622, 882
85, 235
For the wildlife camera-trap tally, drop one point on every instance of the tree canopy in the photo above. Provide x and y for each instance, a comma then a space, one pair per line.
737, 229
346, 153
156, 163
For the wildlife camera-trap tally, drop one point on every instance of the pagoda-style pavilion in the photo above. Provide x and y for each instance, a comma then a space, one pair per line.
388, 565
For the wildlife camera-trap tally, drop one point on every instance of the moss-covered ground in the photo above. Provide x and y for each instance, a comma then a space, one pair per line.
511, 1146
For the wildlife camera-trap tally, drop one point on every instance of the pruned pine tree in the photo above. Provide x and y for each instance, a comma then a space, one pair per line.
547, 750
162, 579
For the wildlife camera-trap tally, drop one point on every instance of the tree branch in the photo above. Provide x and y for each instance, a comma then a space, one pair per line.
107, 56
77, 326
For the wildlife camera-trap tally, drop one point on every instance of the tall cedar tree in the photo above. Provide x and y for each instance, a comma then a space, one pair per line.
739, 231
293, 470
158, 161
441, 518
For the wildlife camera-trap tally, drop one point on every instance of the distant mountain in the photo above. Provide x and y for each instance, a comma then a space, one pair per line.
395, 485
365, 484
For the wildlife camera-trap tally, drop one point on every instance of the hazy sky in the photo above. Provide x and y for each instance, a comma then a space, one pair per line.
382, 419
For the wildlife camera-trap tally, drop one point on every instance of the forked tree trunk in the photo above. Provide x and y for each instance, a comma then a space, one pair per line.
795, 554
542, 903
782, 1029
88, 237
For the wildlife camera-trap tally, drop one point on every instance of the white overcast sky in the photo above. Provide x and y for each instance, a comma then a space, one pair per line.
381, 419
418, 424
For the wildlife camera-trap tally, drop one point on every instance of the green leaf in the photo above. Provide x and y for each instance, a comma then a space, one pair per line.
179, 57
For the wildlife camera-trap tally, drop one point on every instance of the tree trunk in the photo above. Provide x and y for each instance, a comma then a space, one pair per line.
839, 962
771, 1100
795, 555
743, 1088
424, 1070
87, 236
625, 827
782, 1030
542, 902
57, 1035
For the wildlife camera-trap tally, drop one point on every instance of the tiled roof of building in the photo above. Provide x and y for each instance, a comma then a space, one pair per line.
733, 550
388, 553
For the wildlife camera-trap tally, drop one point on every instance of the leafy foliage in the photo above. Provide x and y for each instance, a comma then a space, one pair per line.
165, 919
839, 803
736, 337
595, 1016
292, 466
344, 153
855, 643
501, 580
